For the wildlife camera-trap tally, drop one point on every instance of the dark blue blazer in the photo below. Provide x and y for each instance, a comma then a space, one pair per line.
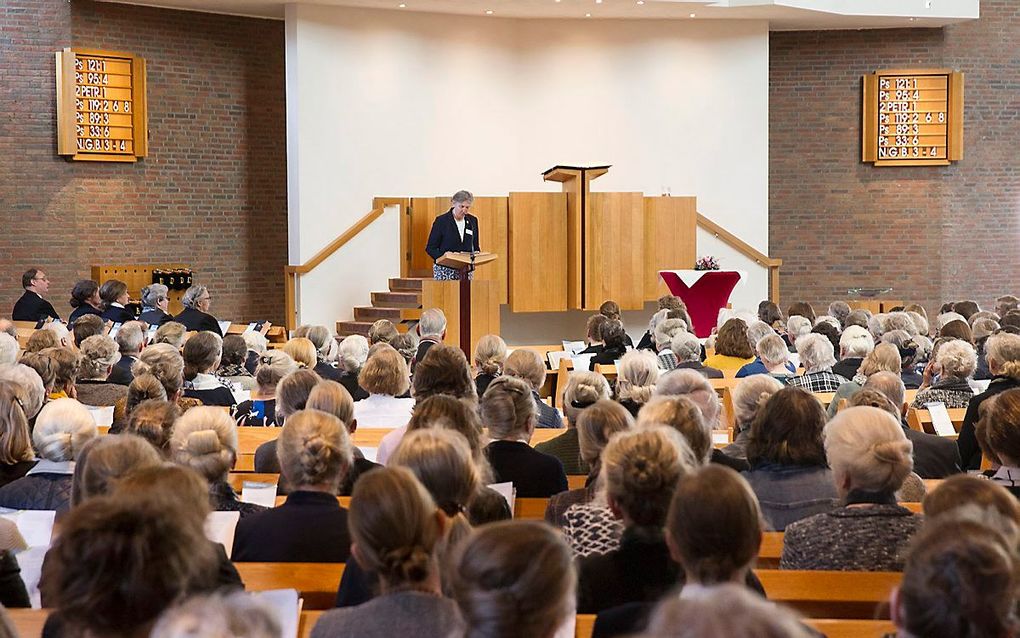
194, 319
118, 315
32, 307
81, 311
445, 237
155, 317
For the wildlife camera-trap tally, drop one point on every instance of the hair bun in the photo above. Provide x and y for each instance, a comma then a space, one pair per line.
317, 457
203, 442
586, 393
410, 563
892, 452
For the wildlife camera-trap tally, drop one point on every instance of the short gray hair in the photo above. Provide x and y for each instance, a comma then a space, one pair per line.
772, 350
33, 392
130, 337
462, 196
867, 446
756, 331
750, 394
876, 325
890, 385
319, 336
855, 342
191, 295
255, 341
693, 385
432, 323
816, 353
353, 353
919, 322
797, 326
946, 317
686, 347
899, 321
218, 614
153, 294
957, 359
840, 310
8, 349
666, 330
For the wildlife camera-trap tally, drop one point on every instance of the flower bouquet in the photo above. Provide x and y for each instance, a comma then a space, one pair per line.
708, 262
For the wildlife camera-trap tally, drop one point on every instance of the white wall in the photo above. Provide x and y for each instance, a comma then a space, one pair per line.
392, 103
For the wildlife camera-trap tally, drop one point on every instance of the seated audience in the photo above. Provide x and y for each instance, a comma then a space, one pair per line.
332, 398
292, 394
232, 369
382, 331
802, 309
166, 364
85, 300
45, 368
9, 349
957, 329
666, 303
61, 430
64, 337
593, 333
687, 349
105, 460
326, 349
641, 470
509, 412
636, 379
828, 330
998, 432
788, 471
664, 334
770, 315
114, 294
973, 498
444, 370
16, 454
195, 317
153, 420
1003, 354
732, 350
774, 357
201, 359
955, 362
432, 330
257, 345
960, 580
385, 377
302, 351
66, 368
611, 310
171, 333
205, 440
816, 357
854, 344
260, 409
28, 388
155, 305
31, 306
935, 457
870, 457
884, 358
983, 328
490, 355
614, 340
695, 387
748, 397
85, 327
797, 326
41, 340
528, 366
840, 310
396, 530
353, 354
682, 414
513, 579
99, 357
130, 340
221, 615
756, 331
724, 610
596, 425
583, 389
407, 345
310, 527
911, 352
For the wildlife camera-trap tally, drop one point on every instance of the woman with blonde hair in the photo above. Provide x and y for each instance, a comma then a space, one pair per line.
528, 365
205, 440
163, 363
636, 378
1002, 352
509, 412
490, 355
870, 458
172, 334
107, 459
66, 368
314, 452
683, 415
260, 409
302, 351
332, 398
16, 454
99, 356
386, 379
583, 390
514, 578
153, 420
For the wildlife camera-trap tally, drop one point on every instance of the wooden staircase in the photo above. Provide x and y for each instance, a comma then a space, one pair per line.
401, 304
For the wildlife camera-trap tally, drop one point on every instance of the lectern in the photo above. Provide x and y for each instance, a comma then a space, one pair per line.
466, 264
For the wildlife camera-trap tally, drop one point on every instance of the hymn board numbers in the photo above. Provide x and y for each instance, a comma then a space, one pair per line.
101, 113
913, 117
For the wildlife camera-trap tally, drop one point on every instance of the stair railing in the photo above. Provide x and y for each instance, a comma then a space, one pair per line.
748, 251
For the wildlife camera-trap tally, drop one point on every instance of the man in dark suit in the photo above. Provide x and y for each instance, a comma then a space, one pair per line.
934, 457
432, 330
31, 306
454, 231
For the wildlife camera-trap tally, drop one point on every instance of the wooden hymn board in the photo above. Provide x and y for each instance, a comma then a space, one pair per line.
913, 117
101, 114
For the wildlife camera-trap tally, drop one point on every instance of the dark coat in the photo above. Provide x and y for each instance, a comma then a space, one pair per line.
639, 571
32, 307
155, 317
970, 453
350, 381
934, 457
194, 319
43, 491
423, 348
121, 374
310, 527
221, 396
444, 236
117, 315
708, 371
847, 368
534, 475
81, 311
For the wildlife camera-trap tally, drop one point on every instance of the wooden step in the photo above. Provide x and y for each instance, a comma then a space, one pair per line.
396, 299
346, 328
396, 315
412, 284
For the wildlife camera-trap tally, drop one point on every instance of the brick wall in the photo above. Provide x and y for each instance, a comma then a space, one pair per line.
931, 233
212, 192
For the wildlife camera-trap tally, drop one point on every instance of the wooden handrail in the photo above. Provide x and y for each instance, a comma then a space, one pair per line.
748, 251
336, 244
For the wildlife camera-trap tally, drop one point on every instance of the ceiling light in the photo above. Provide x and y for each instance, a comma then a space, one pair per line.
402, 5
598, 1
488, 12
640, 1
587, 15
693, 14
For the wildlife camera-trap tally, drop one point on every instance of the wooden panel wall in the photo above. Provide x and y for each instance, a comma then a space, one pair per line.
423, 211
538, 252
492, 225
670, 239
614, 250
445, 295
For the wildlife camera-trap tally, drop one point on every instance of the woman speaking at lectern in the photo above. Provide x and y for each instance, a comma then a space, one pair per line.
453, 231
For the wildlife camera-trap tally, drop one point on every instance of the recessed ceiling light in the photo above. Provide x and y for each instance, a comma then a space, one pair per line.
640, 1
587, 15
402, 5
488, 12
911, 19
598, 1
693, 14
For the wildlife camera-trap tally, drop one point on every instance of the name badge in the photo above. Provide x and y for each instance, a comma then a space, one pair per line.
467, 231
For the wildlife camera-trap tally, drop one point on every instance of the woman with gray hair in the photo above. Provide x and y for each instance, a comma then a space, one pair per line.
1003, 353
155, 305
195, 317
748, 397
870, 458
454, 231
257, 345
664, 333
636, 379
854, 344
816, 355
757, 333
687, 349
353, 354
954, 363
99, 355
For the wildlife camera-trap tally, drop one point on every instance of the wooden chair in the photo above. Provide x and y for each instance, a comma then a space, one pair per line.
920, 419
562, 376
315, 582
829, 594
576, 481
608, 371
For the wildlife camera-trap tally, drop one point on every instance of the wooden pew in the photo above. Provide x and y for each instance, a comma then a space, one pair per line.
832, 628
920, 419
771, 550
827, 594
315, 582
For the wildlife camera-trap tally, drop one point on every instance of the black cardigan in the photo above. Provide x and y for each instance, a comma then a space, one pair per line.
444, 236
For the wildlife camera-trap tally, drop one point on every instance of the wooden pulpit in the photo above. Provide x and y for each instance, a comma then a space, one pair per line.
471, 307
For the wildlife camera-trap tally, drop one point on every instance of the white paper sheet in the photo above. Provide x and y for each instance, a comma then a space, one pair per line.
555, 356
940, 419
507, 491
573, 347
103, 415
370, 453
219, 527
36, 527
582, 361
720, 437
241, 395
224, 326
259, 493
285, 605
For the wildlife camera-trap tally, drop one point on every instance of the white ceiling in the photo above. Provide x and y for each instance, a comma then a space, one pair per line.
782, 15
